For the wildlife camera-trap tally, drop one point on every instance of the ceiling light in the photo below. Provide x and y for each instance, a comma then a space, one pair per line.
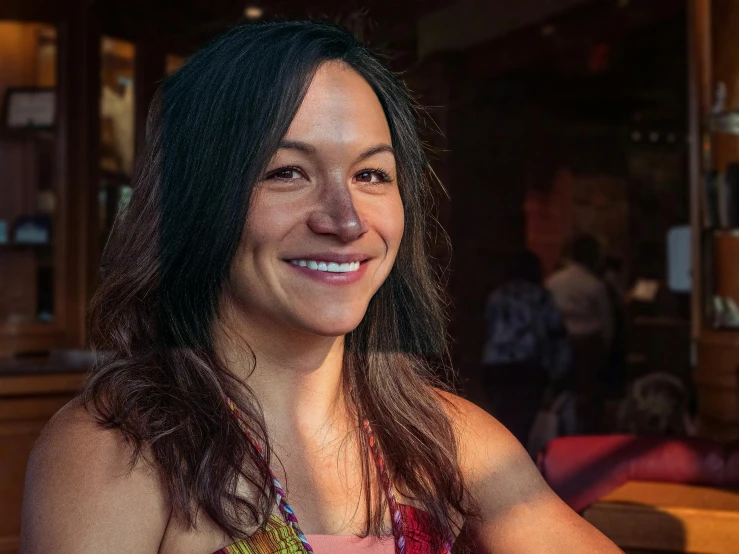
253, 12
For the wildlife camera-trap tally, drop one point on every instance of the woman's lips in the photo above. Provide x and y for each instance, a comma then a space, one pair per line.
336, 271
331, 267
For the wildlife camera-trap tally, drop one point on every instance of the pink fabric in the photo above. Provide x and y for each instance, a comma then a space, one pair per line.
583, 469
349, 544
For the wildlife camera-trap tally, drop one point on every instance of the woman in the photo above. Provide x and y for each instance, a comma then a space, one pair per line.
264, 300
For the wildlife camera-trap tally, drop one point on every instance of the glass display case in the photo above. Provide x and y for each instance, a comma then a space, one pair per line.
28, 181
173, 62
719, 214
117, 142
714, 171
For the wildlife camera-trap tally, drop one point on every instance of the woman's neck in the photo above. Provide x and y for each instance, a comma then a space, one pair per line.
297, 377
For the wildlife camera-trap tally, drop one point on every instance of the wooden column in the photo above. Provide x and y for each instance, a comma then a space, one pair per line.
714, 58
79, 91
149, 66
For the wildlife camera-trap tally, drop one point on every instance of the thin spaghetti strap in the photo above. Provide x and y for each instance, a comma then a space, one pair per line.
395, 515
287, 512
289, 515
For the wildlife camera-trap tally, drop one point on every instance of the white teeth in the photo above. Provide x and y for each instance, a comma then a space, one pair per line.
329, 267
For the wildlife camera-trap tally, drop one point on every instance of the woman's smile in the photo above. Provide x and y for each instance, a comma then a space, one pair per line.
331, 268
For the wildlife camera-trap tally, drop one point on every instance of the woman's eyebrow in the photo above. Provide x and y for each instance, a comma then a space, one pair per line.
376, 150
310, 149
297, 145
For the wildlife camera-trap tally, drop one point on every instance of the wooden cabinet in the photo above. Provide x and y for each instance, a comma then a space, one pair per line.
714, 57
46, 177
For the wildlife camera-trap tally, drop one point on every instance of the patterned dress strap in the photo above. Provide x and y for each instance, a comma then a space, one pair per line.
395, 512
395, 515
287, 512
289, 515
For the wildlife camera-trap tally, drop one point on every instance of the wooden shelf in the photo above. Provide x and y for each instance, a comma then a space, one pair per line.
23, 245
115, 177
25, 134
724, 122
721, 337
720, 230
32, 329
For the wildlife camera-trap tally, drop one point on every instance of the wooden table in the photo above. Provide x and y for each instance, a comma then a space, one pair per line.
667, 517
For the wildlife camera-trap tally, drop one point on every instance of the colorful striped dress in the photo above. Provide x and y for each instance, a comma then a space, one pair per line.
412, 528
276, 537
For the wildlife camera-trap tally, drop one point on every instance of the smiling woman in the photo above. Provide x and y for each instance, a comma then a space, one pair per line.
266, 296
326, 223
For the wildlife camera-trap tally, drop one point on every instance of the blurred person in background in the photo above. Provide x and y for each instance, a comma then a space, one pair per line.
657, 404
615, 376
582, 297
527, 347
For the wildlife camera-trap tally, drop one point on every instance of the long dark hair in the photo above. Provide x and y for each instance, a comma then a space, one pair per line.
212, 129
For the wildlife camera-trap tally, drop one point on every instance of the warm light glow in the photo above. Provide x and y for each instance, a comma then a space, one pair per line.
253, 12
548, 30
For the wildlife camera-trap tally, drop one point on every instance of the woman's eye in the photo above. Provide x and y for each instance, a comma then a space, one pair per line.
285, 174
373, 176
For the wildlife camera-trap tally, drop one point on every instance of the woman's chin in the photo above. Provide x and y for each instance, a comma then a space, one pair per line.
333, 330
333, 325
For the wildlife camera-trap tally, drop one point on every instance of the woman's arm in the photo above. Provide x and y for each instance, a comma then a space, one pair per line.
519, 512
82, 496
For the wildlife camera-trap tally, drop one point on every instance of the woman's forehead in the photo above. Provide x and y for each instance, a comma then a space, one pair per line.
339, 107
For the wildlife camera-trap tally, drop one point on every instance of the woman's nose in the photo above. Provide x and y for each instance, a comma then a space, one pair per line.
336, 214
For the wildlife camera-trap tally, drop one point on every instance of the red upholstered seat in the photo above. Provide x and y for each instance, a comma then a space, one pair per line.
582, 469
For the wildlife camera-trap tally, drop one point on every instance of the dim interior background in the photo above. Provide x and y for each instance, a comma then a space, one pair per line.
545, 120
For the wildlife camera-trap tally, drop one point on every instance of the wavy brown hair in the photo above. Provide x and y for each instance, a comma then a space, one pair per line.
212, 128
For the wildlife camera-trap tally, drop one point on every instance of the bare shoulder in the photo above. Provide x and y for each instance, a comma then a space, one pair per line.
518, 511
487, 449
82, 494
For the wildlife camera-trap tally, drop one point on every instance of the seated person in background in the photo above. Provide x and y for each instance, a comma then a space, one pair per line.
527, 345
657, 404
582, 297
615, 375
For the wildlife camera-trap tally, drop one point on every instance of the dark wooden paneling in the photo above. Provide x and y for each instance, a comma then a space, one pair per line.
26, 404
576, 29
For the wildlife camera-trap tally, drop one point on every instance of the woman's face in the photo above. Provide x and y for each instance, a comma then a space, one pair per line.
326, 219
